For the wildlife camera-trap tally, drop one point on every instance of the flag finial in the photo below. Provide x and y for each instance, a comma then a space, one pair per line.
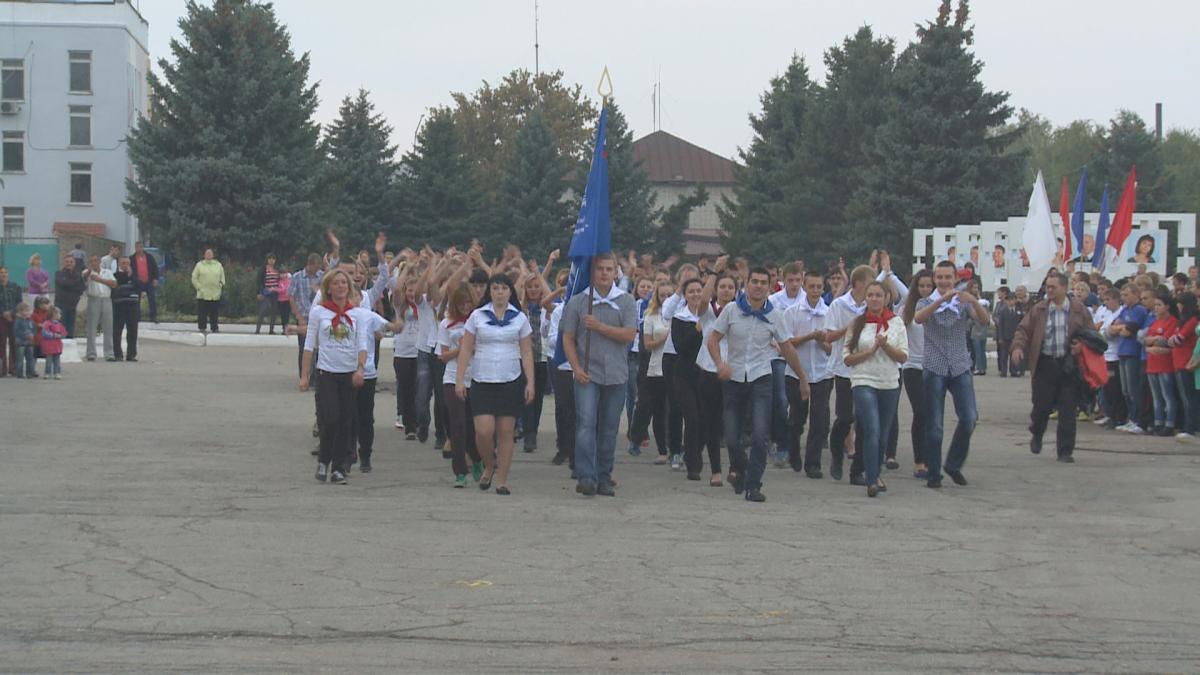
605, 93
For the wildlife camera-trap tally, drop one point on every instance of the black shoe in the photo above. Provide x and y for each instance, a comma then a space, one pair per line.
574, 474
558, 459
322, 472
1066, 459
835, 471
1035, 445
410, 436
585, 488
440, 444
814, 473
858, 479
366, 466
873, 491
131, 359
446, 454
337, 477
932, 483
503, 491
693, 476
530, 444
606, 490
796, 466
755, 495
316, 430
423, 434
956, 476
892, 464
485, 483
315, 452
738, 484
112, 359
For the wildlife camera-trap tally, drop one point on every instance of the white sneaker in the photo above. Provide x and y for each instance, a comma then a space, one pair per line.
399, 423
1100, 421
57, 376
1135, 429
1122, 427
676, 461
1183, 436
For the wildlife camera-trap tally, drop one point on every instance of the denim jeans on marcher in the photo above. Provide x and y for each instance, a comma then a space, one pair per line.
875, 410
756, 397
961, 388
1131, 386
597, 420
1162, 389
424, 390
779, 405
1189, 401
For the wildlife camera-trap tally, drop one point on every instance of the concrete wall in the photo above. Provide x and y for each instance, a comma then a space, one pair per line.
703, 218
42, 34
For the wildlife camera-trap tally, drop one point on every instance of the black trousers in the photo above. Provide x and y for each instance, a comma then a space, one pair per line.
712, 414
674, 414
437, 369
285, 316
844, 410
1112, 395
406, 391
797, 416
688, 399
337, 412
651, 406
1002, 349
564, 414
206, 313
818, 422
126, 316
461, 428
1054, 391
532, 418
365, 421
913, 380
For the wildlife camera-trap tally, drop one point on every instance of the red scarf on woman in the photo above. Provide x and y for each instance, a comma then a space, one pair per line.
881, 320
339, 313
416, 314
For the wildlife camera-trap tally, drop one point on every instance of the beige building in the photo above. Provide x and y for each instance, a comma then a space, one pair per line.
674, 168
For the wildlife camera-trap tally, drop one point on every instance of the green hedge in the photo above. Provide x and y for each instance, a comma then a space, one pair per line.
238, 300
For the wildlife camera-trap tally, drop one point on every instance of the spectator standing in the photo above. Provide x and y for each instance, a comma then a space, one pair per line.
208, 278
37, 280
268, 294
145, 277
109, 262
68, 289
100, 283
10, 298
24, 330
127, 311
52, 347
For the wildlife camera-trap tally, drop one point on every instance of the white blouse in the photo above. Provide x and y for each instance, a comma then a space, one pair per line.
426, 325
654, 328
703, 358
373, 324
879, 371
337, 353
497, 357
449, 338
404, 341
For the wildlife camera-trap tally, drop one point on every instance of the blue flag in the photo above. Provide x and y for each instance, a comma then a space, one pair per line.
1077, 213
593, 231
1101, 234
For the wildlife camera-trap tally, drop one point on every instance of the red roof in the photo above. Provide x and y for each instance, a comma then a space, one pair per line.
670, 159
91, 229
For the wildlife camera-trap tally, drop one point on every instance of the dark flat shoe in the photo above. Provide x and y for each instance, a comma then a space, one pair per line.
503, 491
873, 491
934, 483
921, 473
956, 476
892, 464
486, 483
1067, 459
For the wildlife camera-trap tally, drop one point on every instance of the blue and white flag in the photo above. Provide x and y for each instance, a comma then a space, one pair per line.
593, 231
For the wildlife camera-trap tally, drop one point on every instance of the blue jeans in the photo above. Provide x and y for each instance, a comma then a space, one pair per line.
1189, 400
424, 390
875, 410
756, 395
597, 419
631, 387
980, 344
1162, 388
962, 390
54, 364
779, 406
26, 361
1131, 386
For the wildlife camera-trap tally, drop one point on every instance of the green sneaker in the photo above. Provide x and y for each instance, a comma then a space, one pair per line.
460, 481
477, 471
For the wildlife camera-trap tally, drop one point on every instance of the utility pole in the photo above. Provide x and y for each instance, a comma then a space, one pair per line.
537, 66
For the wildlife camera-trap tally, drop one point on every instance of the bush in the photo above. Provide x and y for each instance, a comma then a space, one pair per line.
177, 296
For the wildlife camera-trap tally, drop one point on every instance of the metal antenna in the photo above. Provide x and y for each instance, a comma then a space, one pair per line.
537, 70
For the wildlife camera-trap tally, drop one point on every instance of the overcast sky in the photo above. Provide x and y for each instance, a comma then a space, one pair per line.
1064, 59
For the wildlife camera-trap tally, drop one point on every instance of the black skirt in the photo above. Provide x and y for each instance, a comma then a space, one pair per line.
498, 399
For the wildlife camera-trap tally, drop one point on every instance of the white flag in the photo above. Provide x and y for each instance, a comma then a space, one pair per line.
1038, 236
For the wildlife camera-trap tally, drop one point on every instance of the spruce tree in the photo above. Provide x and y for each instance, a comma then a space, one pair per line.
363, 171
1128, 143
438, 188
631, 199
531, 211
669, 235
773, 198
228, 156
941, 158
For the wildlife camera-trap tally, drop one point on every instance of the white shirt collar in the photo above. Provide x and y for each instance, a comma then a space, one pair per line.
952, 306
610, 299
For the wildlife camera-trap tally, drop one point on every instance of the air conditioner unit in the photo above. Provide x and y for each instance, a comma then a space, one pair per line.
9, 108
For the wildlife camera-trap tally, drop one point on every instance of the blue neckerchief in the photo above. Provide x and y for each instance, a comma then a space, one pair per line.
509, 315
761, 314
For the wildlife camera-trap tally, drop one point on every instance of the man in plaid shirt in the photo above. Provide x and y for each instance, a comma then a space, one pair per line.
303, 288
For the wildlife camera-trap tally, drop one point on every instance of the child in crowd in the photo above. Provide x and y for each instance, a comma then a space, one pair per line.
23, 329
53, 332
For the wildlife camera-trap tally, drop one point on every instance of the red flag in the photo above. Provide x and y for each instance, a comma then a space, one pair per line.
1122, 223
1064, 208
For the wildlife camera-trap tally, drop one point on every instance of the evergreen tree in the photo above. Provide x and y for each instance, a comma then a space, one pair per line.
363, 171
631, 199
941, 158
668, 237
530, 206
773, 199
228, 155
1129, 143
1180, 151
438, 188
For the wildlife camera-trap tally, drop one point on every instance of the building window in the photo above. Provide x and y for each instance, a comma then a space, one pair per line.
14, 222
81, 183
81, 72
81, 126
14, 152
12, 80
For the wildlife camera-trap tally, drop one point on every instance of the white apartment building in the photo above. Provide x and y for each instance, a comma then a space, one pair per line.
72, 85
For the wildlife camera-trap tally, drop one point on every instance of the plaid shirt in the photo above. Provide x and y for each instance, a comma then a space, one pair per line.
303, 289
1055, 342
946, 340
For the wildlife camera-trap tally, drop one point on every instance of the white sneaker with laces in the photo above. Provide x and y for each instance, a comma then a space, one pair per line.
1135, 429
1100, 421
399, 423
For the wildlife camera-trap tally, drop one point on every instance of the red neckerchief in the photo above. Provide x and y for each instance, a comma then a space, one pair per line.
717, 308
338, 314
452, 324
880, 319
416, 314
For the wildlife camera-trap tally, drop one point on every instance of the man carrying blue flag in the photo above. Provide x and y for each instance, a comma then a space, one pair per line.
601, 371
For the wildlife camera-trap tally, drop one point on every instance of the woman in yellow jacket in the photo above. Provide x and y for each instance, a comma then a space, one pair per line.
208, 278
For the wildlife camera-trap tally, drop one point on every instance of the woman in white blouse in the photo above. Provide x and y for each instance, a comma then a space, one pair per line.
341, 361
409, 307
876, 346
652, 390
498, 333
460, 425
